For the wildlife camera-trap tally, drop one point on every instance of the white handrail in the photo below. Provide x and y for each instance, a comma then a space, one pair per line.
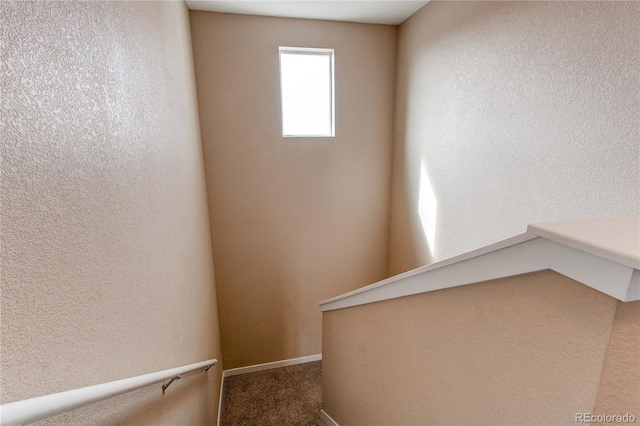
34, 409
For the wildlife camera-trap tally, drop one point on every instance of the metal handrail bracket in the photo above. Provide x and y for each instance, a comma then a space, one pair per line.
42, 407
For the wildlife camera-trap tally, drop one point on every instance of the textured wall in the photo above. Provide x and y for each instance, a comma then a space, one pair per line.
521, 350
294, 221
106, 252
620, 384
518, 112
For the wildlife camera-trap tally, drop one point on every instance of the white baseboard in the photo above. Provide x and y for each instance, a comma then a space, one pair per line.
220, 399
327, 419
270, 365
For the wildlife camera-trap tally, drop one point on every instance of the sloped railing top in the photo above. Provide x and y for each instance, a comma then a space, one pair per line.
602, 254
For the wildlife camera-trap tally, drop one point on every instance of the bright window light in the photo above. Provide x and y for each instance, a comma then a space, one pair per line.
428, 209
306, 85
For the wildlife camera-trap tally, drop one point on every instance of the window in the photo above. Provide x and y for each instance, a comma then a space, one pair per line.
306, 88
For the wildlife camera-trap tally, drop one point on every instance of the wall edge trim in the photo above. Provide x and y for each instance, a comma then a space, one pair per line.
271, 365
220, 399
520, 254
327, 419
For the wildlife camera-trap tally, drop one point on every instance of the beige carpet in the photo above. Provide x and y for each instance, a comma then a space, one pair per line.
281, 396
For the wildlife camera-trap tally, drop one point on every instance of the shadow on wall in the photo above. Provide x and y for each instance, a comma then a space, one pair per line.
256, 306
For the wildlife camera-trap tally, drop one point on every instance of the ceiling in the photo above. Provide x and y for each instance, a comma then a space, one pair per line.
390, 12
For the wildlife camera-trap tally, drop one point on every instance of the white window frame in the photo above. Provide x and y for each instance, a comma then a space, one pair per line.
310, 51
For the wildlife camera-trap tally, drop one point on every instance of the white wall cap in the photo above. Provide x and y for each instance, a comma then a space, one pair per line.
602, 254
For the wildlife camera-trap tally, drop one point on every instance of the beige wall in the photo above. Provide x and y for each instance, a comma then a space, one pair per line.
520, 112
619, 391
106, 252
521, 350
293, 221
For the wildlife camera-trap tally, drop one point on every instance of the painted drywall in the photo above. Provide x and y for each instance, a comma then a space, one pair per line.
510, 113
619, 392
293, 220
106, 253
521, 350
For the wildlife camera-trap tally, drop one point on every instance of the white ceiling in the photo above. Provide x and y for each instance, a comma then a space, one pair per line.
391, 12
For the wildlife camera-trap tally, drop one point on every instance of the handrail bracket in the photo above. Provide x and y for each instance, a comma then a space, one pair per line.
165, 385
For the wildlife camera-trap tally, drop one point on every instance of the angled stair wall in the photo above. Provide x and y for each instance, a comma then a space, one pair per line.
549, 328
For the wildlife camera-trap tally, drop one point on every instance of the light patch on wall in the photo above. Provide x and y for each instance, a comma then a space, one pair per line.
427, 209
